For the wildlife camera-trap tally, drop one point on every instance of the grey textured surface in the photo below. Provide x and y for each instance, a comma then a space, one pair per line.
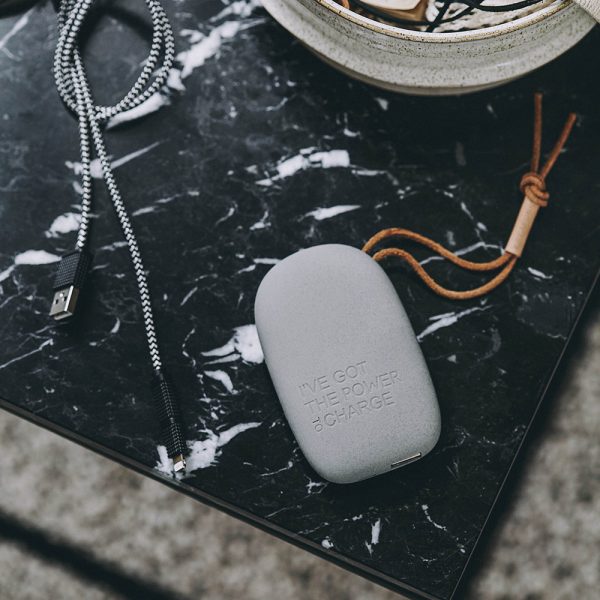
345, 362
545, 545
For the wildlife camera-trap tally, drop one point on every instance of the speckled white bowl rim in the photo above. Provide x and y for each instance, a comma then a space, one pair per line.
454, 36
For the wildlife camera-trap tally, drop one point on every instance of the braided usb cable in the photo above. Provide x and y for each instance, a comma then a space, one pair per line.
74, 89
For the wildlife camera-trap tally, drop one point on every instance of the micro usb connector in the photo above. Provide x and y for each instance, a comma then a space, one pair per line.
169, 418
72, 270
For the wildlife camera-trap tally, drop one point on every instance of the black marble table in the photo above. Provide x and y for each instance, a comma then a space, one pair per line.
258, 150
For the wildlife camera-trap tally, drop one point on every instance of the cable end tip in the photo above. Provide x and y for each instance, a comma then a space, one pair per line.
70, 277
178, 463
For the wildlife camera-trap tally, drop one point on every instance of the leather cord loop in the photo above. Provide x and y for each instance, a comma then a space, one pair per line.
536, 196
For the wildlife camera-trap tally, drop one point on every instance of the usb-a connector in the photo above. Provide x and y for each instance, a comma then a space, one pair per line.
70, 276
64, 302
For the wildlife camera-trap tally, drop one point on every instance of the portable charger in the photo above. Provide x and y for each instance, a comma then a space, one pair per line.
345, 363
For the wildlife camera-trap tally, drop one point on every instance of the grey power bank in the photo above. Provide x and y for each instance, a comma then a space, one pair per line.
345, 363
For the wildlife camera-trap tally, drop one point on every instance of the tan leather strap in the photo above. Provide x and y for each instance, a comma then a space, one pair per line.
533, 186
533, 183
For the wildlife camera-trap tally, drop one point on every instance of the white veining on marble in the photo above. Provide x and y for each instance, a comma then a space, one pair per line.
243, 344
307, 159
332, 211
164, 464
288, 466
143, 211
188, 295
226, 216
6, 273
467, 212
149, 106
222, 377
375, 531
383, 103
266, 261
96, 166
447, 319
64, 223
35, 257
115, 328
128, 157
315, 485
159, 99
226, 436
538, 274
425, 508
462, 251
158, 204
204, 46
259, 261
29, 257
202, 453
262, 223
238, 8
48, 342
19, 24
112, 247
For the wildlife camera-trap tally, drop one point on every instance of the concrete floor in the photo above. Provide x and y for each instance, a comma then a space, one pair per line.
74, 525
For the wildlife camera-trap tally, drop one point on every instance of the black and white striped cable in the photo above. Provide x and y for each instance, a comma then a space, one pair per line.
74, 89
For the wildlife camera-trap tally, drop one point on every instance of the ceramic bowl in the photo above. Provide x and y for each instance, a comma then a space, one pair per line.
431, 63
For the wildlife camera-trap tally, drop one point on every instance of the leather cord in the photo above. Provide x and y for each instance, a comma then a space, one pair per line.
536, 196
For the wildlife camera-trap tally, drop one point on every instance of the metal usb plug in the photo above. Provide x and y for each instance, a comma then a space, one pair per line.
64, 302
72, 270
178, 463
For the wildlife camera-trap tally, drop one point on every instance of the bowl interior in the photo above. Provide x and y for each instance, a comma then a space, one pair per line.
456, 36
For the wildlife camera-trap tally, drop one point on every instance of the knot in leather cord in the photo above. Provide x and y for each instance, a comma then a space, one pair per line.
533, 187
